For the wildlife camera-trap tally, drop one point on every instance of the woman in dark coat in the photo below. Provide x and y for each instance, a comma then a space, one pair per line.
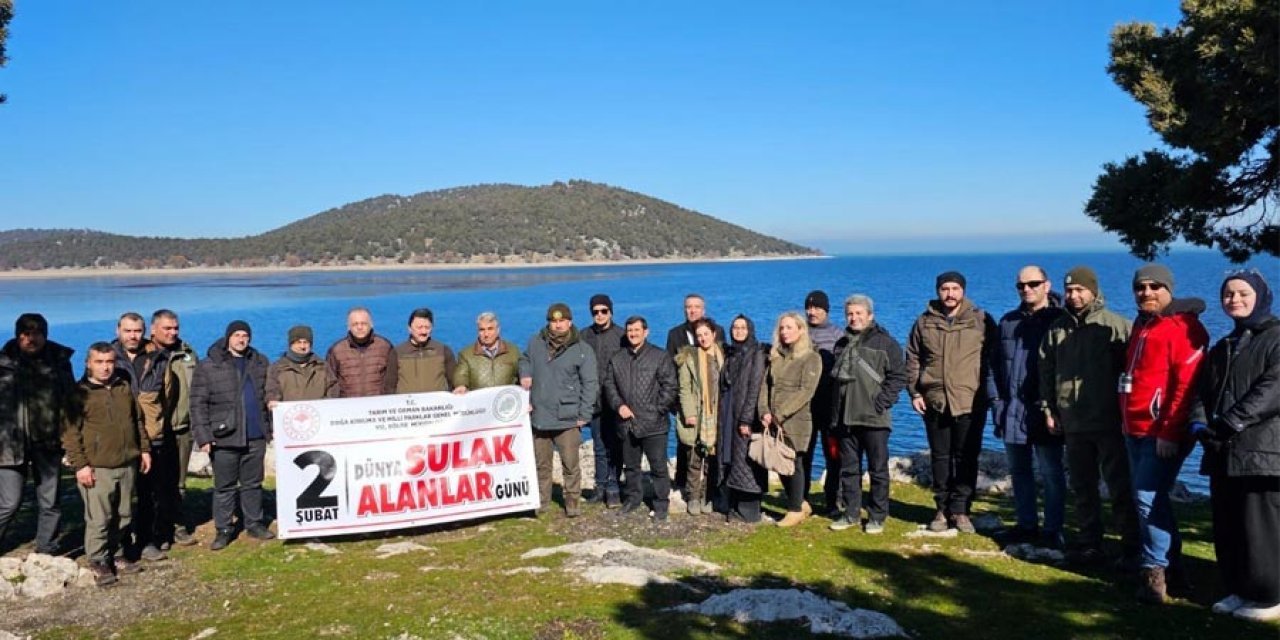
744, 480
1240, 396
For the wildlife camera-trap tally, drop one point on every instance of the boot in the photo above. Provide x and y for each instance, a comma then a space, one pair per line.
103, 576
259, 531
1151, 590
694, 507
221, 540
572, 508
612, 500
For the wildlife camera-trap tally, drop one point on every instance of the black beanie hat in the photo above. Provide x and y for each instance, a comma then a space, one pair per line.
237, 325
817, 298
29, 323
300, 332
600, 299
950, 276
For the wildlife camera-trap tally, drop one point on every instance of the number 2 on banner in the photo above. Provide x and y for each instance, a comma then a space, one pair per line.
310, 497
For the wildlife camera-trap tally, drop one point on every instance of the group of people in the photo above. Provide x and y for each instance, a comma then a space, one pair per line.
1073, 388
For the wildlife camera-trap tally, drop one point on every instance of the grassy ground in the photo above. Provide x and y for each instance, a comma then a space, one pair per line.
934, 587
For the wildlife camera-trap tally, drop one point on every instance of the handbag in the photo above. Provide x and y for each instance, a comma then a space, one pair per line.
770, 450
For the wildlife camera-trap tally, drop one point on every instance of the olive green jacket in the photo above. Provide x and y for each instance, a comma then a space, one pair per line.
790, 380
1081, 359
476, 370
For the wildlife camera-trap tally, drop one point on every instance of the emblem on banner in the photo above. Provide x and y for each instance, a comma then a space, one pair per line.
302, 422
506, 406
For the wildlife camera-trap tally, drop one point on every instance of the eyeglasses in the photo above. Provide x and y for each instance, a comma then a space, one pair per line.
603, 311
1032, 284
1147, 286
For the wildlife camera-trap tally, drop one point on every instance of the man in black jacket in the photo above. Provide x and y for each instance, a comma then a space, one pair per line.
230, 420
640, 385
606, 338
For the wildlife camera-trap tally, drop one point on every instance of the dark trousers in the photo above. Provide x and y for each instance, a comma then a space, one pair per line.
237, 478
159, 504
745, 505
606, 446
830, 444
1246, 527
654, 449
45, 466
954, 445
1087, 453
794, 485
854, 442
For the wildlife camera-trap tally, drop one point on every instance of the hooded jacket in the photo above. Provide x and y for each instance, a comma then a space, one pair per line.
867, 377
358, 371
104, 428
289, 381
217, 397
946, 356
35, 398
1081, 358
1013, 379
1164, 356
565, 383
645, 381
1240, 389
476, 370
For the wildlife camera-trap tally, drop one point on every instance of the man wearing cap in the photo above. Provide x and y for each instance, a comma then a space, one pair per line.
1157, 390
230, 420
299, 373
1081, 359
947, 353
605, 338
824, 334
362, 363
1013, 387
423, 364
490, 362
36, 392
560, 372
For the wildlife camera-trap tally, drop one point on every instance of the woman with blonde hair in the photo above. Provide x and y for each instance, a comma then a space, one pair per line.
699, 367
790, 380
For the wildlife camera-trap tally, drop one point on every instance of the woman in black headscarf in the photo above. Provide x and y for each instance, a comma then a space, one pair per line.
744, 480
1240, 429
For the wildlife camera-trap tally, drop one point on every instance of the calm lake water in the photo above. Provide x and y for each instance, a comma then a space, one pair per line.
82, 310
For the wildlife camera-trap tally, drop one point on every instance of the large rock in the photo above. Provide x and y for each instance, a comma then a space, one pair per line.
823, 615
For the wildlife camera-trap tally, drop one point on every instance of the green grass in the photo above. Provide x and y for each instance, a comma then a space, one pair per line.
931, 586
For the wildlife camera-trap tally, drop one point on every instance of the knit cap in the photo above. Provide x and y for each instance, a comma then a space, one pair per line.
817, 298
950, 276
1083, 276
237, 325
300, 332
601, 300
1152, 272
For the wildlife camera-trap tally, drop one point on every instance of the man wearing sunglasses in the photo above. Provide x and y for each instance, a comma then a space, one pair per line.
1156, 395
605, 338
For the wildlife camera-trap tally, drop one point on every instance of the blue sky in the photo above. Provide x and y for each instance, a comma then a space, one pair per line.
838, 124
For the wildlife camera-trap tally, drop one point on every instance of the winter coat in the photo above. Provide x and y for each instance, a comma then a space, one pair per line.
1013, 379
425, 367
1081, 359
605, 343
147, 383
35, 398
824, 338
355, 371
790, 380
104, 428
167, 397
1164, 356
645, 381
289, 381
476, 370
704, 411
946, 357
744, 365
217, 396
565, 384
1240, 390
867, 377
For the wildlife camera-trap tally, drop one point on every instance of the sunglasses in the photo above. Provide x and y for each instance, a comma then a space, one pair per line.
600, 312
1147, 286
1029, 285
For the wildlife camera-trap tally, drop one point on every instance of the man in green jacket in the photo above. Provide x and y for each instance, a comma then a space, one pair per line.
490, 362
424, 364
1081, 359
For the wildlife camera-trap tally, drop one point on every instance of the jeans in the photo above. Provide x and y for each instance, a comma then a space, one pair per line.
1153, 477
1022, 472
854, 442
237, 478
606, 446
45, 466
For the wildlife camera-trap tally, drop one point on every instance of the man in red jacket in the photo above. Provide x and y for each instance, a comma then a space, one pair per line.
1165, 351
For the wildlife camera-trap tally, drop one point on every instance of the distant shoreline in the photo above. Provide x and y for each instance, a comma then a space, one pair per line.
106, 272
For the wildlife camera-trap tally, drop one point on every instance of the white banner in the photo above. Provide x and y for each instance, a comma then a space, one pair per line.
387, 462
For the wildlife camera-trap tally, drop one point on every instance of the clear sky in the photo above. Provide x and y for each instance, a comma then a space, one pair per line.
837, 124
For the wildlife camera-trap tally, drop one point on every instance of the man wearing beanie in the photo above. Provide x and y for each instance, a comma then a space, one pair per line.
605, 338
36, 390
362, 363
1163, 359
824, 334
299, 373
1081, 359
947, 352
422, 363
231, 424
561, 375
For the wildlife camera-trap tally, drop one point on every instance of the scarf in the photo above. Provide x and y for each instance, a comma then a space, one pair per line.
558, 342
297, 358
709, 363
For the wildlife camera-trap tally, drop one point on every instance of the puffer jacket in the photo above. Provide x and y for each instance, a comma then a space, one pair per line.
1240, 388
289, 381
217, 396
605, 343
645, 381
1163, 359
867, 377
1013, 379
565, 384
355, 371
706, 415
424, 367
35, 398
790, 380
104, 428
946, 357
1081, 359
476, 370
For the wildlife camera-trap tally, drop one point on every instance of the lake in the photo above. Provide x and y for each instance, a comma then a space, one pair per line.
83, 310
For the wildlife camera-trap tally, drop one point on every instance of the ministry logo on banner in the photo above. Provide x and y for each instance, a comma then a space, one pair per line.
354, 465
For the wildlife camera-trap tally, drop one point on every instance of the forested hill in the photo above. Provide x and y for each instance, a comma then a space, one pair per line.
481, 224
